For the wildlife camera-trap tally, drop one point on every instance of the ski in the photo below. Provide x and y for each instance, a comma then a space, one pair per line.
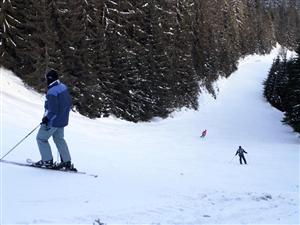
29, 163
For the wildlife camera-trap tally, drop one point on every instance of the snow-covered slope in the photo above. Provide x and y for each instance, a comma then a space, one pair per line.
158, 172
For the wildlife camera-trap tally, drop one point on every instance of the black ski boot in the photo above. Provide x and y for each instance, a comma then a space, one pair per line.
65, 166
47, 164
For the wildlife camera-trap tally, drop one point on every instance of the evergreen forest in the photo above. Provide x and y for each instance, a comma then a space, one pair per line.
139, 59
282, 88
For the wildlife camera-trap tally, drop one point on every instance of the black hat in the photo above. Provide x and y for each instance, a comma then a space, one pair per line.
51, 76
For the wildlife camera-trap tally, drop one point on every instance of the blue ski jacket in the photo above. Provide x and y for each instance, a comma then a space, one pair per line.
241, 152
58, 104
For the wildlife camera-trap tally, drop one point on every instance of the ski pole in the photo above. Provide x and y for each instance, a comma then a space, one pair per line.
20, 142
232, 158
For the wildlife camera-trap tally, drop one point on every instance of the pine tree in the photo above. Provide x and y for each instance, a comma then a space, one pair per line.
204, 47
71, 28
275, 85
97, 60
12, 23
292, 101
185, 88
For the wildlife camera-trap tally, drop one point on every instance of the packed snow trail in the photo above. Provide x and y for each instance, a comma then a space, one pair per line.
158, 172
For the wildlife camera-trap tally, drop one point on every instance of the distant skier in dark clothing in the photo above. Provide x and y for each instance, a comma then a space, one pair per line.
241, 152
204, 133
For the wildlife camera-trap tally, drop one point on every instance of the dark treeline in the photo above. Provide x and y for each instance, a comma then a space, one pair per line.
282, 88
137, 59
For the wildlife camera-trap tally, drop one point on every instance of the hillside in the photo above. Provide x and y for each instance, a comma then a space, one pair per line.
159, 171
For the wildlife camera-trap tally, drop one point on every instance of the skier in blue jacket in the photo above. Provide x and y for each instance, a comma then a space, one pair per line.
57, 107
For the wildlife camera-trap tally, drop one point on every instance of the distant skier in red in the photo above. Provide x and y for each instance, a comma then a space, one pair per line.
203, 133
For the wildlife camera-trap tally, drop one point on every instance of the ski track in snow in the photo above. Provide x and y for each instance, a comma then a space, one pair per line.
159, 172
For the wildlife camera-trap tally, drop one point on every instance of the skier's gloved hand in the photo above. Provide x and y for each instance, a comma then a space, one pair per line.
45, 120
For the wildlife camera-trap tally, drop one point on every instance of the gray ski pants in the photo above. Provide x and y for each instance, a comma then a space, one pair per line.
57, 134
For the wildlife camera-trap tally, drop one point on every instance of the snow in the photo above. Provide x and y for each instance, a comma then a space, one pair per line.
160, 171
